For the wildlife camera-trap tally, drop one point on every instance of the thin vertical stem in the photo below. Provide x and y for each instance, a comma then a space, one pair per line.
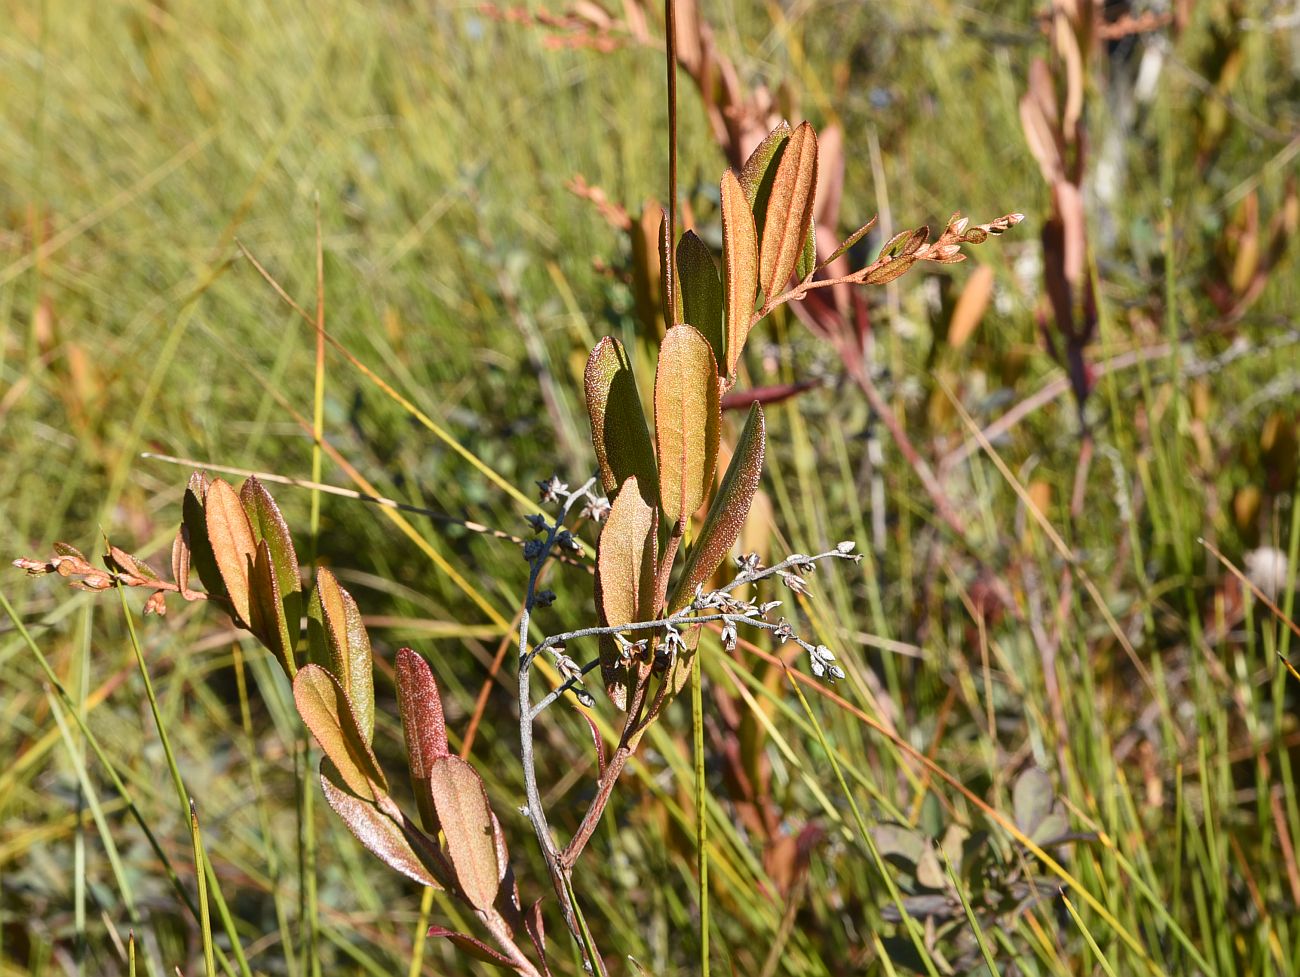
670, 47
205, 917
701, 818
307, 794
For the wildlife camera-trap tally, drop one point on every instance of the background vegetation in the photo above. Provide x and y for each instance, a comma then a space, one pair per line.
141, 141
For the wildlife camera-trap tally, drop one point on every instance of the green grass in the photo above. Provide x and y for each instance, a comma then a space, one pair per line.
143, 144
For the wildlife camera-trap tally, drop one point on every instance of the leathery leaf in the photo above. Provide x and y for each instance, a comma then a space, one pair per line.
727, 514
739, 268
325, 708
626, 557
788, 217
468, 826
686, 422
618, 427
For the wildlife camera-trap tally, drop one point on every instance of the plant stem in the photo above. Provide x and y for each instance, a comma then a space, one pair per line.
701, 819
535, 811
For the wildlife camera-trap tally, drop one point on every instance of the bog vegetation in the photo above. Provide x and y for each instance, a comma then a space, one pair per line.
889, 601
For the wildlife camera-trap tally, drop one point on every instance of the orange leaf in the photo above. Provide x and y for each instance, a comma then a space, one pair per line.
789, 211
739, 267
467, 823
686, 421
233, 545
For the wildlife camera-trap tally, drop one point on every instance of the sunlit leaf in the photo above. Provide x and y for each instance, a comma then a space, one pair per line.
324, 707
701, 290
423, 725
466, 820
739, 267
851, 240
233, 545
626, 555
338, 640
905, 243
759, 171
381, 834
727, 514
889, 271
789, 211
618, 427
686, 421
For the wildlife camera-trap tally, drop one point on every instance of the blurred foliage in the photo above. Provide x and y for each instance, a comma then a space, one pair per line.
143, 142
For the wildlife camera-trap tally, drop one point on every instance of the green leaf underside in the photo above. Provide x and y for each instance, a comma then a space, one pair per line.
325, 708
338, 640
807, 263
466, 820
626, 559
686, 421
759, 170
701, 288
728, 512
788, 215
267, 609
380, 834
233, 546
619, 432
269, 526
423, 726
739, 267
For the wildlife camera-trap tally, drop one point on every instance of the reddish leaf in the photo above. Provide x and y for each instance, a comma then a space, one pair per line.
599, 742
686, 421
423, 725
468, 824
536, 927
383, 836
773, 394
476, 948
618, 427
